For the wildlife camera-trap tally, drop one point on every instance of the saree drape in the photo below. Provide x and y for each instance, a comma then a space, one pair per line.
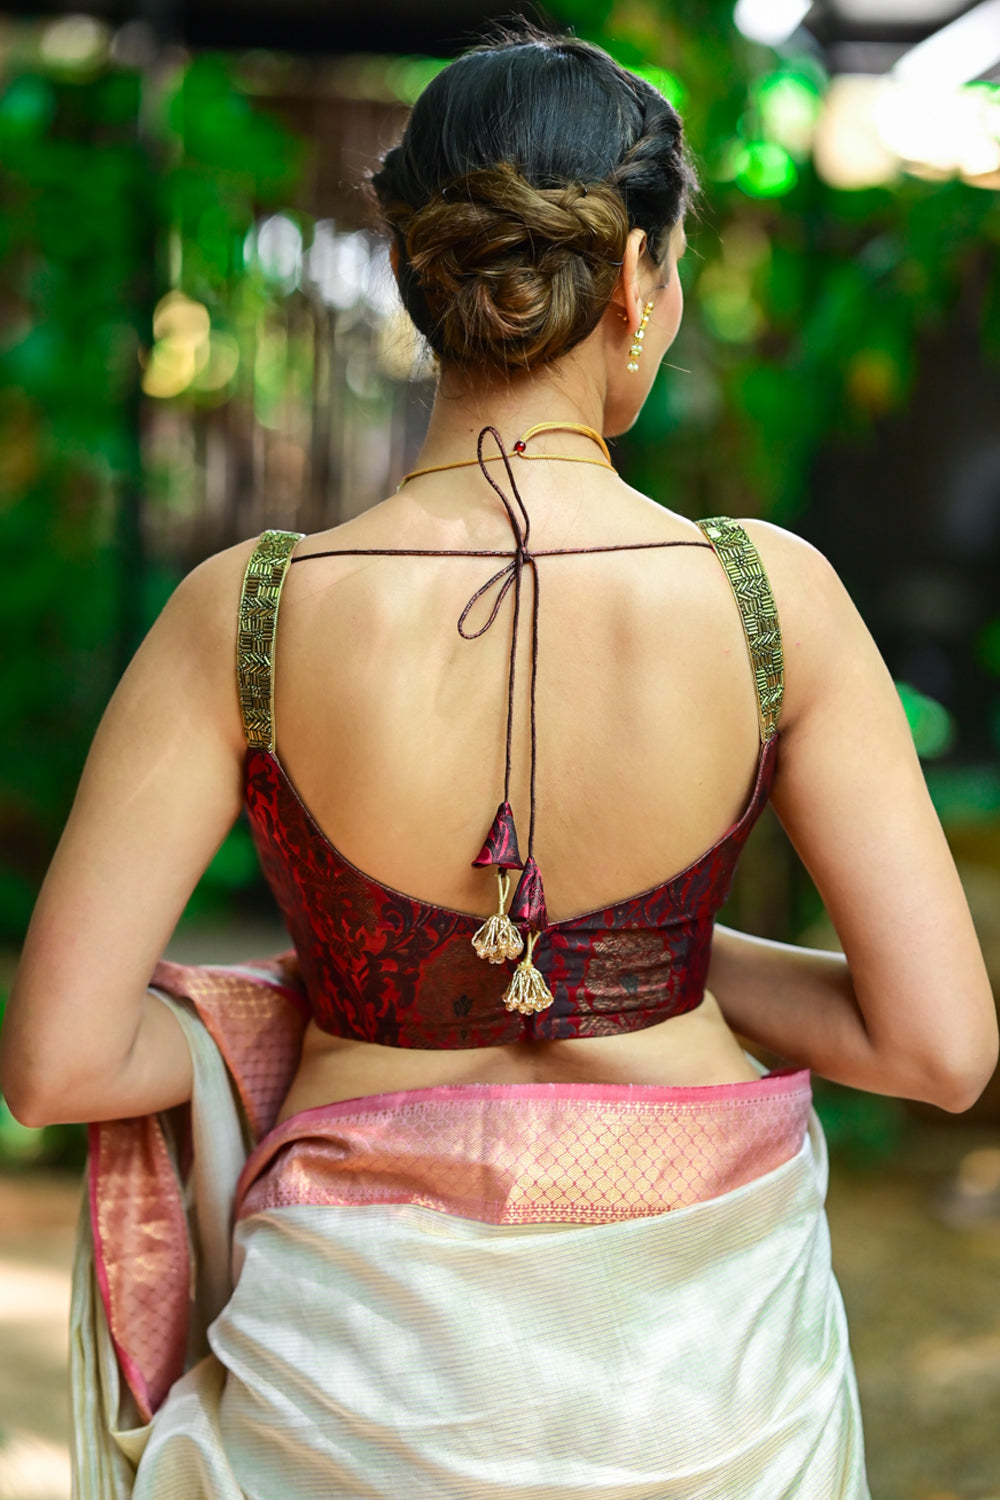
529, 1292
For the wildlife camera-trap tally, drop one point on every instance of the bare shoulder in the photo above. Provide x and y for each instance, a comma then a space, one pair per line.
798, 571
199, 620
821, 629
808, 591
188, 656
208, 597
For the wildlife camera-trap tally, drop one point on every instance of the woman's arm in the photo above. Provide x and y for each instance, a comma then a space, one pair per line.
82, 1039
909, 1010
798, 1003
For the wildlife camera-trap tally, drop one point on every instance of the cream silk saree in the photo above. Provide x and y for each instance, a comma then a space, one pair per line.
530, 1291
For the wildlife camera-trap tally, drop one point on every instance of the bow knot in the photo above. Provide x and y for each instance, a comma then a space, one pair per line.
509, 576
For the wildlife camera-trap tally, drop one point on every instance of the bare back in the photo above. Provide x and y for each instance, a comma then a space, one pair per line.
391, 726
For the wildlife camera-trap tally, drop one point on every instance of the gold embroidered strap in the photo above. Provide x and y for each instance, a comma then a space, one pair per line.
745, 571
258, 621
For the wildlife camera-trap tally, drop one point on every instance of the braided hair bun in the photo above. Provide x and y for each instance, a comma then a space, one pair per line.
513, 275
522, 169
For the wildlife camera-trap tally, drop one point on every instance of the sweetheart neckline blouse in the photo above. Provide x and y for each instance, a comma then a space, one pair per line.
763, 776
382, 966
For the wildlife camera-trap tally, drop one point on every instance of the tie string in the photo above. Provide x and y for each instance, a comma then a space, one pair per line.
498, 940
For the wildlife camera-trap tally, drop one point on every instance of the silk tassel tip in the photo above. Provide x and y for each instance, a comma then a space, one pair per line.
498, 939
500, 847
527, 992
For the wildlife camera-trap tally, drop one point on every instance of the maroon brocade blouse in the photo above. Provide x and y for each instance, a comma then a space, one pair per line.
381, 966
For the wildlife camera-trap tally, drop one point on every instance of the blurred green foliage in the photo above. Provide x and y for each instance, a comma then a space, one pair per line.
862, 1130
105, 177
805, 302
72, 248
932, 726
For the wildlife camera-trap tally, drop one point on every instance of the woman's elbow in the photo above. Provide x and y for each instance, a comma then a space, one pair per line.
956, 1079
29, 1085
964, 1089
13, 1090
35, 1103
29, 1107
38, 1095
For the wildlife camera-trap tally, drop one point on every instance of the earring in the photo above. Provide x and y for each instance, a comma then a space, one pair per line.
640, 334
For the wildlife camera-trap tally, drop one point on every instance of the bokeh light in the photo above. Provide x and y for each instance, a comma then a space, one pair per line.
872, 128
848, 149
932, 726
183, 348
765, 170
770, 22
950, 130
181, 318
276, 247
965, 48
27, 107
666, 83
337, 265
220, 367
407, 77
874, 381
789, 106
75, 42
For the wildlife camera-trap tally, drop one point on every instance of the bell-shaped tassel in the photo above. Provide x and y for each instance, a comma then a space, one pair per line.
527, 992
528, 905
498, 939
500, 847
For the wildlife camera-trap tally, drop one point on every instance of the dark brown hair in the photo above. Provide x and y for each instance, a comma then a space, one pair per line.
510, 197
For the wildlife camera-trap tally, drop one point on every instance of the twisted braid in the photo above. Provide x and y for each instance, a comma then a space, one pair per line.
654, 198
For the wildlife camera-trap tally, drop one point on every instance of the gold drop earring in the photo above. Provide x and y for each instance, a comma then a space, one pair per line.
640, 334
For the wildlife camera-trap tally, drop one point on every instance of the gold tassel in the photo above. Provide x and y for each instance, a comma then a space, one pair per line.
498, 939
527, 991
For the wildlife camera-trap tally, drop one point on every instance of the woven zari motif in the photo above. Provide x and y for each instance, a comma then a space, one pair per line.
556, 1154
258, 619
745, 571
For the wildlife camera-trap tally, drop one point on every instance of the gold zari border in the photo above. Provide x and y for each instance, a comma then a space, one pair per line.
758, 612
258, 621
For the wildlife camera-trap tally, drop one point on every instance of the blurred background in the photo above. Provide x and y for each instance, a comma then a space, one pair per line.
200, 337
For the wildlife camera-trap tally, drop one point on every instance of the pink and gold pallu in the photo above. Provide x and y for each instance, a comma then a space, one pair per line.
486, 1292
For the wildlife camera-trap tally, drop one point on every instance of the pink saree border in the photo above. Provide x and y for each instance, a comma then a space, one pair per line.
256, 1015
531, 1153
142, 1258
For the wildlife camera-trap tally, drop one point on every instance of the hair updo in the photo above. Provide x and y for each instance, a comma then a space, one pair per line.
510, 197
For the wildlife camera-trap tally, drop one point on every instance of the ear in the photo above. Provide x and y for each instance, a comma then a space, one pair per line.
628, 296
394, 256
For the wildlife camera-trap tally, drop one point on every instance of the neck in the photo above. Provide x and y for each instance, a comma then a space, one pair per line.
462, 408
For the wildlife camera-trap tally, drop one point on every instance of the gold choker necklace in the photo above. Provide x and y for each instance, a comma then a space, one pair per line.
519, 450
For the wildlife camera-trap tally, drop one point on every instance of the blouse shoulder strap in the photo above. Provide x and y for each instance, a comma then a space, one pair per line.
752, 591
255, 635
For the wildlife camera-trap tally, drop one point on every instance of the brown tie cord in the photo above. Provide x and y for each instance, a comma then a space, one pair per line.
507, 577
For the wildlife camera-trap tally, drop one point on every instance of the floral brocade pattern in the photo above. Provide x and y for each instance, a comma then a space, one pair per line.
380, 966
